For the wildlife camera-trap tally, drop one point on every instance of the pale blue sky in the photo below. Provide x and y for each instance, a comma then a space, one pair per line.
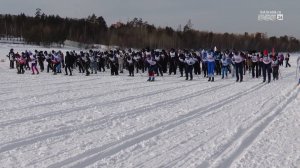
233, 16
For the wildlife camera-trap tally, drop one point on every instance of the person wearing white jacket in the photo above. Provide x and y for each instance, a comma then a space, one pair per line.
238, 60
225, 63
267, 66
189, 61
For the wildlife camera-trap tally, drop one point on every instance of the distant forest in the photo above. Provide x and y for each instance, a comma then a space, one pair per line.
136, 33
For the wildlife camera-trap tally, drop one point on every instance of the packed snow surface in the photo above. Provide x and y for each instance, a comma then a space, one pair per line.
120, 121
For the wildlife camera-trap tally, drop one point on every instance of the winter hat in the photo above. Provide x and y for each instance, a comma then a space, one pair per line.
266, 52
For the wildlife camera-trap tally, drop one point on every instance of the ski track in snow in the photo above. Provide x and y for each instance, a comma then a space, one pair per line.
149, 133
103, 121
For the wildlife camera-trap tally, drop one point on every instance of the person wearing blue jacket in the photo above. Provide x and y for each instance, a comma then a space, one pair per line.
204, 63
210, 65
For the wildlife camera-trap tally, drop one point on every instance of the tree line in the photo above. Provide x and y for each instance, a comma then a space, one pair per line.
136, 33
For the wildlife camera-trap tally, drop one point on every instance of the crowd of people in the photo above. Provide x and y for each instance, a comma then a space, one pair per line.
188, 63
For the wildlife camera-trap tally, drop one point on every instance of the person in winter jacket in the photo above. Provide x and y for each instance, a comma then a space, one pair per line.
173, 62
11, 57
181, 63
189, 61
55, 61
33, 62
120, 55
151, 69
260, 64
254, 65
204, 63
69, 60
275, 68
130, 65
114, 65
93, 58
197, 68
21, 61
138, 61
280, 59
218, 58
210, 65
238, 61
41, 59
49, 61
158, 59
287, 59
225, 63
17, 57
267, 69
87, 63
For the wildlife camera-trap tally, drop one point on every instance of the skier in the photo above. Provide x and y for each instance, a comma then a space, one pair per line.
33, 62
204, 63
102, 60
281, 59
225, 63
87, 62
69, 62
260, 64
138, 61
21, 61
218, 57
151, 69
189, 61
181, 63
197, 68
113, 60
287, 59
164, 61
92, 56
79, 62
158, 60
254, 65
238, 61
130, 65
48, 59
55, 61
211, 65
61, 62
17, 58
11, 57
173, 62
275, 68
120, 56
267, 66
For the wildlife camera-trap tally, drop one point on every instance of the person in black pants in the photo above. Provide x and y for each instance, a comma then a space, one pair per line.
287, 59
130, 65
173, 62
238, 60
189, 65
68, 63
181, 63
254, 65
267, 66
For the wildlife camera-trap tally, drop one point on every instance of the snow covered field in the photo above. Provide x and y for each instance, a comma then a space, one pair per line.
120, 121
